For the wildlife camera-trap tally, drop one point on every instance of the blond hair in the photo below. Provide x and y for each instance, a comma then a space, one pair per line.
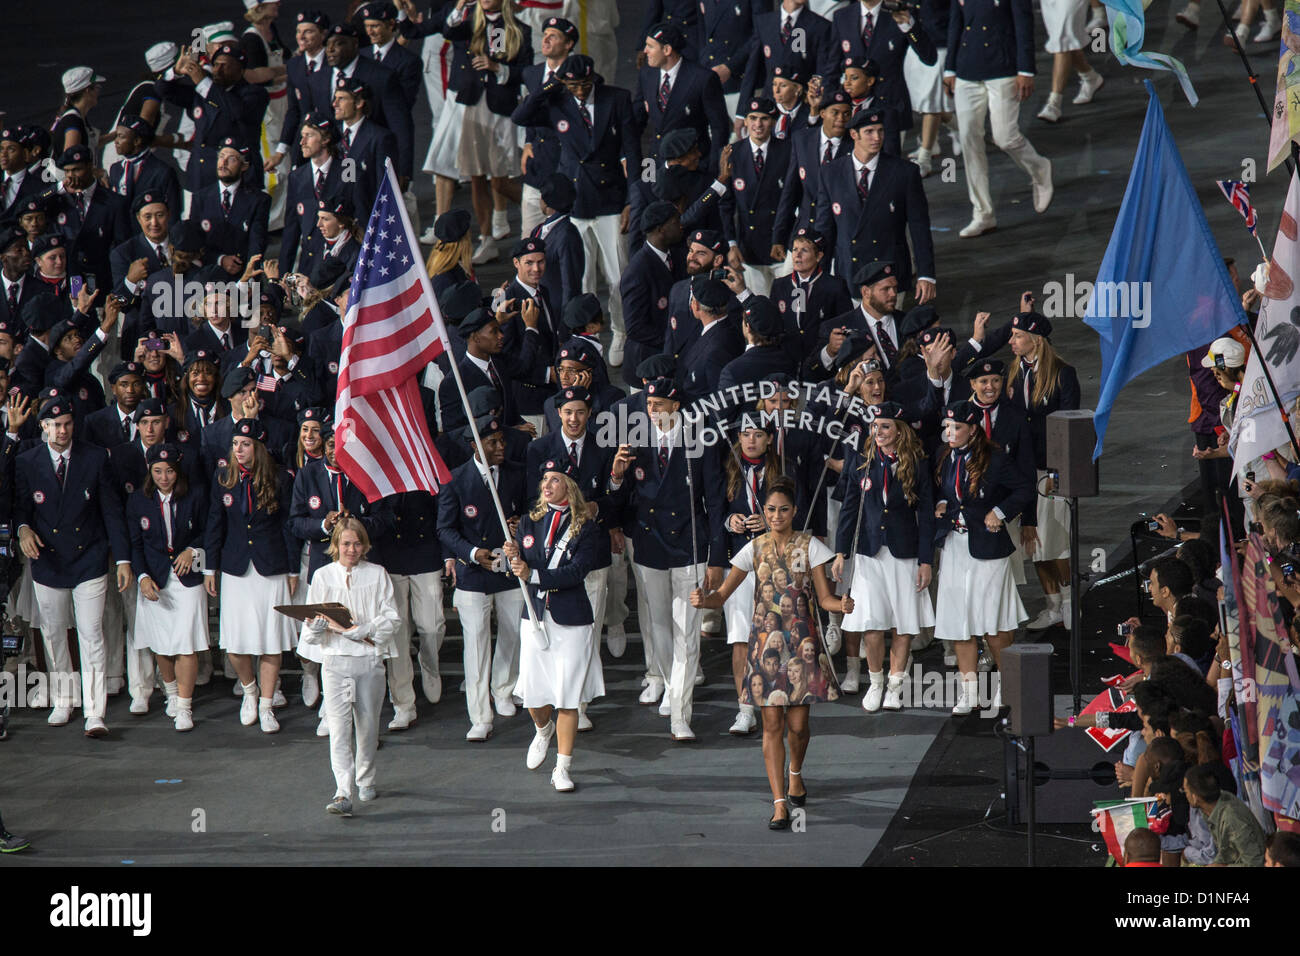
577, 504
1047, 373
514, 35
348, 523
445, 256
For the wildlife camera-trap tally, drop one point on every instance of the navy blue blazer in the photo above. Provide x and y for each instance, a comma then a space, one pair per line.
1065, 397
749, 208
148, 174
411, 545
32, 185
592, 160
315, 495
80, 524
235, 538
798, 205
701, 207
644, 286
888, 520
603, 397
695, 102
546, 144
298, 94
888, 48
371, 145
757, 363
1004, 486
531, 389
388, 109
989, 39
301, 204
467, 521
106, 225
149, 552
28, 289
1011, 434
241, 233
127, 461
566, 260
726, 28
123, 254
104, 427
594, 463
702, 364
559, 590
214, 447
822, 296
406, 67
75, 378
895, 211
235, 112
658, 507
684, 328
467, 83
817, 52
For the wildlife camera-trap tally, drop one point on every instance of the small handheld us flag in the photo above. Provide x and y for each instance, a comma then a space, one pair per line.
1238, 194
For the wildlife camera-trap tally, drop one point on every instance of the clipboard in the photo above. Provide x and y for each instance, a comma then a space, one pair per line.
336, 612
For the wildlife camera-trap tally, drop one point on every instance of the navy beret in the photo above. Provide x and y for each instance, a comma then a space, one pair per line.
581, 311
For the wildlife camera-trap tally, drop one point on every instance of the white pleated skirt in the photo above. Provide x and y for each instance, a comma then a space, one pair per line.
444, 148
22, 600
249, 622
925, 83
885, 596
1053, 527
176, 623
976, 597
557, 674
739, 612
488, 144
1065, 23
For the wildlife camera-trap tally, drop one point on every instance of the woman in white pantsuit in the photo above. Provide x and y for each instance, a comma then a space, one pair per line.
555, 548
353, 677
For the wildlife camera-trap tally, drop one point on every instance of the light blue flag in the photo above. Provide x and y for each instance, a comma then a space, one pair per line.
1128, 27
1162, 288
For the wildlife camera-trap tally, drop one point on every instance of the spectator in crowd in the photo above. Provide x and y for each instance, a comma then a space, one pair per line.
1237, 835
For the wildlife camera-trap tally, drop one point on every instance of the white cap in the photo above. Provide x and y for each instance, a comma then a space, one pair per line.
213, 32
80, 78
161, 55
250, 4
1232, 353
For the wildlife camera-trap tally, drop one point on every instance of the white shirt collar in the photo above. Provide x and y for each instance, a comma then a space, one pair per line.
322, 167
755, 146
872, 320
482, 468
527, 288
56, 455
381, 52
481, 364
165, 497
8, 282
871, 164
230, 188
670, 435
317, 60
353, 127
661, 253
793, 17
672, 74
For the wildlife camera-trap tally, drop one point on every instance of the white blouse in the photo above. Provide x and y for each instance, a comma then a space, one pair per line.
370, 599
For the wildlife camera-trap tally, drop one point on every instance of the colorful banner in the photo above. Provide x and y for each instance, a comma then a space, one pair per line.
1286, 100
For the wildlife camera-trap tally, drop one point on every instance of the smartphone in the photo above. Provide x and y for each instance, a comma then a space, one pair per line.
266, 332
719, 274
1153, 525
155, 345
90, 282
1123, 629
74, 286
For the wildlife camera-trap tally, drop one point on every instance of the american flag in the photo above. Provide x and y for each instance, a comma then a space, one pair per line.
1238, 194
391, 331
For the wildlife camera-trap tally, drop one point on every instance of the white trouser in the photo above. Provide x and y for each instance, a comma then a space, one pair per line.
759, 279
616, 593
996, 100
475, 611
119, 610
353, 692
675, 630
530, 212
81, 607
603, 243
642, 608
596, 38
419, 606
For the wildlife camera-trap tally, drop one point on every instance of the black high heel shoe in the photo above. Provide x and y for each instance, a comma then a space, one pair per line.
798, 800
779, 823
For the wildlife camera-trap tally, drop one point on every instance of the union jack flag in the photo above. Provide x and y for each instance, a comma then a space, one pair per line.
391, 331
1238, 194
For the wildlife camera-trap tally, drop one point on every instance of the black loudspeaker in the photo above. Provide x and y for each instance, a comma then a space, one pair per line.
1071, 440
1072, 773
1027, 688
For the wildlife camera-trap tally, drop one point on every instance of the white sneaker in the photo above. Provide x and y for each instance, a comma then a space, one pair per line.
278, 699
1088, 87
653, 691
977, 227
1047, 617
95, 727
269, 724
699, 678
834, 638
616, 349
248, 710
875, 693
1243, 35
505, 706
1269, 29
170, 709
402, 720
310, 689
238, 689
666, 705
967, 700
1098, 18
1051, 111
485, 253
1043, 190
139, 705
184, 720
894, 692
433, 690
500, 224
561, 780
427, 238
682, 732
479, 733
584, 722
1189, 16
323, 728
541, 743
366, 794
616, 641
852, 676
746, 722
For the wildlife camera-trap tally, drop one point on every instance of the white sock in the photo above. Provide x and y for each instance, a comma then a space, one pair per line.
854, 667
264, 705
562, 761
1271, 17
249, 689
170, 688
1055, 99
747, 709
1054, 601
877, 677
184, 703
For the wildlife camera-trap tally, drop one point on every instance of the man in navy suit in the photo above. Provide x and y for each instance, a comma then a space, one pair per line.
860, 79
700, 363
541, 155
70, 521
811, 151
363, 142
865, 30
224, 106
599, 148
673, 93
872, 204
317, 178
793, 36
875, 317
565, 257
649, 278
310, 34
16, 184
387, 105
989, 70
583, 319
116, 424
706, 253
219, 333
577, 366
532, 389
756, 168
765, 352
379, 19
232, 214
94, 220
725, 31
809, 295
471, 534
17, 285
139, 170
134, 260
485, 363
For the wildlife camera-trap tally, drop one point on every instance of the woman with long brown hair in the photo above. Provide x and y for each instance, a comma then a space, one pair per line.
887, 528
1041, 383
248, 543
751, 470
554, 549
980, 489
